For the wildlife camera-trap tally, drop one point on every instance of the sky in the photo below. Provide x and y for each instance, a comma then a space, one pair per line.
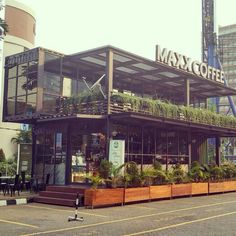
134, 25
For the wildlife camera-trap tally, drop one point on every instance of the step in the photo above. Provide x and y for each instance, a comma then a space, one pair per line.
54, 201
63, 195
66, 189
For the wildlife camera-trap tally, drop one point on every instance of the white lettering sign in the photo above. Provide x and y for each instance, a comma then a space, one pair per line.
117, 152
185, 63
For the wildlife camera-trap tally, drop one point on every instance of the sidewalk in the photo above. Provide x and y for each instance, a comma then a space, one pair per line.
24, 198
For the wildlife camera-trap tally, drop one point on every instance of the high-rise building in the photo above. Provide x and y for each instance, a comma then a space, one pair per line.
227, 53
21, 36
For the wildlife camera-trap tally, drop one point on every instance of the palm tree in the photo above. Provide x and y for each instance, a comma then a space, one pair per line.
24, 136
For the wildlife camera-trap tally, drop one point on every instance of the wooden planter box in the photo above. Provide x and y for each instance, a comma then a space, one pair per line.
160, 191
102, 197
136, 194
229, 186
217, 187
199, 188
181, 190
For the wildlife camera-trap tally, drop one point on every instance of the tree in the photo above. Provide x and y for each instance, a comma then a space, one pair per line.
24, 136
4, 26
2, 155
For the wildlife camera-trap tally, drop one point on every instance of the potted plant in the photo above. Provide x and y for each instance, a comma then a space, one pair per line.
197, 176
161, 187
216, 184
104, 196
180, 187
133, 181
229, 172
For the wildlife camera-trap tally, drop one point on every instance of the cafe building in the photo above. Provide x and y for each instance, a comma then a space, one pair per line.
76, 104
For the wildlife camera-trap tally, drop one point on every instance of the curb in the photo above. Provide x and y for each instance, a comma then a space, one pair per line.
20, 201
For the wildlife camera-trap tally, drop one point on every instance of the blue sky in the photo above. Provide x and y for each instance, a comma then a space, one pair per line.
134, 25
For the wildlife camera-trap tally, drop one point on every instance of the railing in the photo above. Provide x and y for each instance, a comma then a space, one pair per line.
124, 103
70, 108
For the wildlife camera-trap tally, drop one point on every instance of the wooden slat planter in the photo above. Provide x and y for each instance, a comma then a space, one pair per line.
160, 191
199, 188
102, 197
217, 187
136, 194
229, 186
181, 190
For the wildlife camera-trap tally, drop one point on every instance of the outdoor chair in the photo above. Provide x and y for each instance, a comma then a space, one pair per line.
3, 185
24, 184
15, 186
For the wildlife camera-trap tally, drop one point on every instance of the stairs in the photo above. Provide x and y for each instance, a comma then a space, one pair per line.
61, 195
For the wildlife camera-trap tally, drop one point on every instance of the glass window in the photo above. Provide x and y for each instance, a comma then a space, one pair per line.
12, 72
183, 144
23, 69
33, 66
67, 87
52, 83
49, 103
32, 82
31, 103
21, 105
11, 92
161, 142
22, 85
11, 106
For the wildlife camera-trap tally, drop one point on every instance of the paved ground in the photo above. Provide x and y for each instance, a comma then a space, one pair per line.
24, 194
205, 215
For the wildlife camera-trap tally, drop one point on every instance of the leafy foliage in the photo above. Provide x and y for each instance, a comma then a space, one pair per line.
105, 169
8, 167
132, 177
95, 180
197, 173
178, 174
23, 136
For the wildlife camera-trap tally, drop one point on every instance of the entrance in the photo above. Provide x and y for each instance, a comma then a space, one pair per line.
51, 156
87, 150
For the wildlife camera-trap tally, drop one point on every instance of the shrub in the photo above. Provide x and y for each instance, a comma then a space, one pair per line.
147, 176
132, 177
105, 169
196, 172
216, 173
229, 171
178, 174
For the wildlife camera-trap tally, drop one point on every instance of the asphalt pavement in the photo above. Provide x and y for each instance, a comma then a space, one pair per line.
202, 215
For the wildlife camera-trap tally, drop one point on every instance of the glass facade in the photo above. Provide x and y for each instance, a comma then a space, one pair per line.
21, 82
144, 145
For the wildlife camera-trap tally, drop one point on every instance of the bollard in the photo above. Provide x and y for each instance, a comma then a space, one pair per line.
76, 218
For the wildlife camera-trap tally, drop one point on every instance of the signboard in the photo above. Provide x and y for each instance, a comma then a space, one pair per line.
185, 63
117, 152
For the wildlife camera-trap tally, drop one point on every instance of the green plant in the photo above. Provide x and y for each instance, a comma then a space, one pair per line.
23, 136
132, 177
105, 168
8, 167
147, 176
116, 177
216, 173
229, 171
178, 174
196, 173
95, 180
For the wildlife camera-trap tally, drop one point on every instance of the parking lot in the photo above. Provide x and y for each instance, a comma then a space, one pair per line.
204, 215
